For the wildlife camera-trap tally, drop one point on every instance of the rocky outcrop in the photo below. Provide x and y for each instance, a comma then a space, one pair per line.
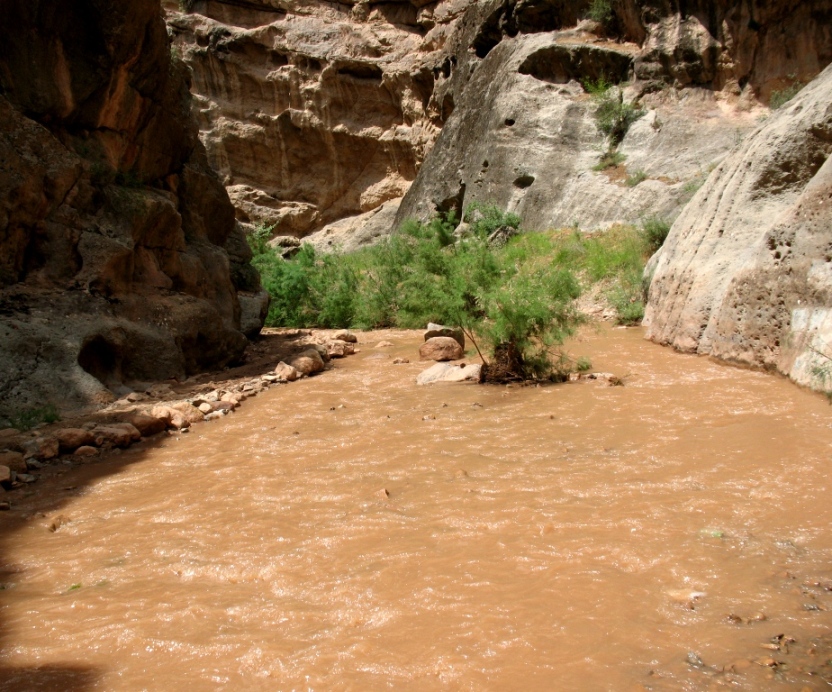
523, 134
315, 112
120, 260
320, 115
746, 272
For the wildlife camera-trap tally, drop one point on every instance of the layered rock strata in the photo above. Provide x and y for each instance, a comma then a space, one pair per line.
120, 259
315, 112
319, 116
746, 272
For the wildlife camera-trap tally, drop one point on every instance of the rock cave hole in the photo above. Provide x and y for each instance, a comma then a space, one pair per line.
101, 359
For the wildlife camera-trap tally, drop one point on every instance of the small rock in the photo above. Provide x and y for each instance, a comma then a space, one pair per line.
216, 414
384, 344
339, 349
5, 474
441, 348
5, 506
345, 335
14, 460
400, 361
205, 407
135, 397
286, 373
192, 413
116, 435
308, 362
213, 395
69, 439
455, 333
26, 478
34, 465
430, 416
42, 448
231, 398
383, 493
86, 451
269, 378
148, 424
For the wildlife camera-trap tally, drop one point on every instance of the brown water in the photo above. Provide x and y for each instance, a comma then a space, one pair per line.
542, 538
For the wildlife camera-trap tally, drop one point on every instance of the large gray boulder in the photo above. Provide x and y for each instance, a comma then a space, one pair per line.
746, 272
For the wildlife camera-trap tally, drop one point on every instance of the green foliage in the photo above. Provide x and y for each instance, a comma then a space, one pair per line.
488, 218
654, 231
635, 178
781, 97
609, 159
601, 11
28, 418
258, 239
613, 116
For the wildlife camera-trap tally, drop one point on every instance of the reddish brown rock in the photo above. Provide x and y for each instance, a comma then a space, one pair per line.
69, 439
339, 349
147, 424
286, 373
116, 435
41, 448
191, 413
85, 451
14, 460
308, 362
441, 348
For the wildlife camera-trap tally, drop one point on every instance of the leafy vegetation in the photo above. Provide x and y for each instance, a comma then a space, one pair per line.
635, 178
609, 159
28, 418
654, 231
780, 97
601, 11
515, 300
613, 116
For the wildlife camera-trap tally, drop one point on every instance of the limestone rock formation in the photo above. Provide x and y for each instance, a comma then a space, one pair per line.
120, 260
746, 272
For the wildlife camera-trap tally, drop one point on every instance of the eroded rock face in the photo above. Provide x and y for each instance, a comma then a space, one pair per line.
523, 136
120, 259
319, 116
746, 272
315, 112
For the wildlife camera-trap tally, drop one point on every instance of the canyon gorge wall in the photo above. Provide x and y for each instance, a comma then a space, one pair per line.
120, 258
320, 116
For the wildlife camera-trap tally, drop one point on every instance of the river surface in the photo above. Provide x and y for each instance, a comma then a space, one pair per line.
356, 532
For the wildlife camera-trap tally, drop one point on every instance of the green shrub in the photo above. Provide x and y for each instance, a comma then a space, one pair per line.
635, 178
613, 116
601, 11
654, 231
781, 97
28, 418
609, 159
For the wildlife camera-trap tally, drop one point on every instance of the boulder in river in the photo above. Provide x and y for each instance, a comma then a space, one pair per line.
441, 330
286, 373
441, 348
448, 372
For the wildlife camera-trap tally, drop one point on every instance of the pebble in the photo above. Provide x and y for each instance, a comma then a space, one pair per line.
383, 493
384, 344
400, 361
86, 451
5, 506
26, 478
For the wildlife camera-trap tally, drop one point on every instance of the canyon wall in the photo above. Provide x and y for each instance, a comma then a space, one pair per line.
120, 259
746, 272
321, 116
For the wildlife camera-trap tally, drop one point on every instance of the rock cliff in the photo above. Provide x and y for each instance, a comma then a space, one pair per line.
320, 116
120, 260
746, 272
313, 112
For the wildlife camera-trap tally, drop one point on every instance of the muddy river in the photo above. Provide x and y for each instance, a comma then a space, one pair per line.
356, 532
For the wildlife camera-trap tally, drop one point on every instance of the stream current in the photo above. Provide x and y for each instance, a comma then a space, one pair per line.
354, 531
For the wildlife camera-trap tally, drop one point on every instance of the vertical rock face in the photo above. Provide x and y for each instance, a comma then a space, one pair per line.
522, 134
313, 112
746, 272
120, 259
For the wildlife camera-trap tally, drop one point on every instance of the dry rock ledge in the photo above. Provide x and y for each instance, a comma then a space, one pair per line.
278, 357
